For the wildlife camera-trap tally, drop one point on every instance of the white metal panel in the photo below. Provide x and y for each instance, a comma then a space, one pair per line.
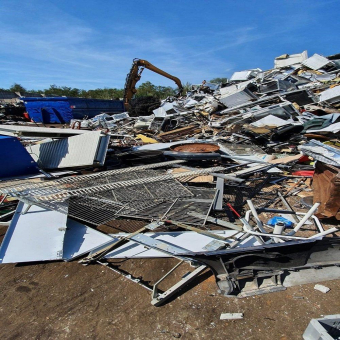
330, 95
335, 128
162, 110
241, 75
316, 62
271, 120
39, 131
70, 152
291, 59
80, 239
38, 235
186, 239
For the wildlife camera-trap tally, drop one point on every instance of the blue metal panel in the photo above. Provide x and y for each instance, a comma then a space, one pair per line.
15, 160
92, 107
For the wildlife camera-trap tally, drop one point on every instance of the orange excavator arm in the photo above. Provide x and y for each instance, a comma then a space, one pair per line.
135, 74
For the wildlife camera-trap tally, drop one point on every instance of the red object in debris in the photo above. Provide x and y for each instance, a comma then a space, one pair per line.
26, 116
304, 173
234, 211
304, 158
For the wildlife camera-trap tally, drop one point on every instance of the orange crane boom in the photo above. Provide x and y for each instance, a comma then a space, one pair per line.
135, 74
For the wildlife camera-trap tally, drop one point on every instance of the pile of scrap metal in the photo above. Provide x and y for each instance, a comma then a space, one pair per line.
298, 99
240, 178
11, 109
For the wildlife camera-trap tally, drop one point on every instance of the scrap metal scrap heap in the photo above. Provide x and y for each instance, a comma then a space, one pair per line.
241, 178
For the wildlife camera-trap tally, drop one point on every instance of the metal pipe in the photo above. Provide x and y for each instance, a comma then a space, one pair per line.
5, 224
278, 230
256, 216
304, 219
211, 205
325, 232
255, 233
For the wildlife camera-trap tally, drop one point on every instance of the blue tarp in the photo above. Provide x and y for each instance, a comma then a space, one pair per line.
62, 109
49, 110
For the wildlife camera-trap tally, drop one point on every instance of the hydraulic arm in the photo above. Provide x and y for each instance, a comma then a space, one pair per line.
135, 74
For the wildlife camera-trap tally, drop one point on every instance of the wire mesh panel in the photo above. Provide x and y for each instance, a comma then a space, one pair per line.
98, 199
179, 209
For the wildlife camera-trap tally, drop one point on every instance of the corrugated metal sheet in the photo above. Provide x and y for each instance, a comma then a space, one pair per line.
84, 150
316, 62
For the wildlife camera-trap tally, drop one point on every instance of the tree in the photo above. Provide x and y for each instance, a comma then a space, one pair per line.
219, 80
55, 90
186, 88
17, 88
146, 89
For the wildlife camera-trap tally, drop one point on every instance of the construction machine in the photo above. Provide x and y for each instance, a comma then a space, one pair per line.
134, 76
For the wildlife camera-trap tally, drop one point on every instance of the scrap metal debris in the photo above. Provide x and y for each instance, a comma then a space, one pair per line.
231, 316
240, 178
322, 288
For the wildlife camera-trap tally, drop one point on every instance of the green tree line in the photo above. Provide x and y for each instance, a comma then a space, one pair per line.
143, 90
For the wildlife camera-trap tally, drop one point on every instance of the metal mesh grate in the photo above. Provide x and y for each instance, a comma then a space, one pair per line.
179, 210
98, 199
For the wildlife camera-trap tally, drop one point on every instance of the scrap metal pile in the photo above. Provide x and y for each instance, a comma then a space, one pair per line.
241, 178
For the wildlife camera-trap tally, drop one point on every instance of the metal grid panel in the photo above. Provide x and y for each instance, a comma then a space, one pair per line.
20, 185
98, 199
179, 210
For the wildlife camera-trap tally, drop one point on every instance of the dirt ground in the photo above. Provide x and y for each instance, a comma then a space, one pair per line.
66, 300
60, 300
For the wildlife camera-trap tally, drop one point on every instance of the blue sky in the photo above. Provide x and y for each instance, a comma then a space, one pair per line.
90, 44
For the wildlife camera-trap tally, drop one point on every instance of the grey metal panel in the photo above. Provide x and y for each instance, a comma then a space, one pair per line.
102, 149
316, 62
331, 95
311, 276
71, 152
231, 89
238, 98
326, 328
38, 235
